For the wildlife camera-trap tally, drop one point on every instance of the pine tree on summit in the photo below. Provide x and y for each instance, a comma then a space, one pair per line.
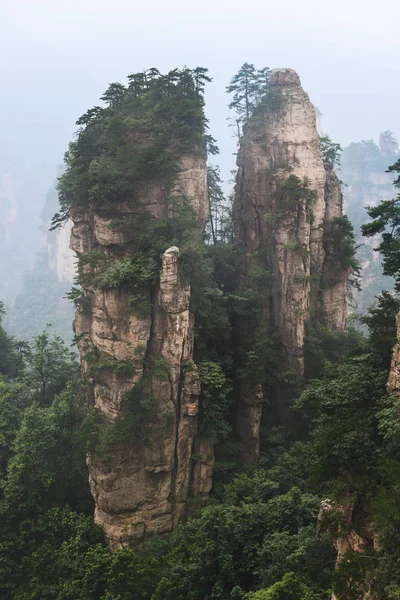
248, 87
243, 87
114, 94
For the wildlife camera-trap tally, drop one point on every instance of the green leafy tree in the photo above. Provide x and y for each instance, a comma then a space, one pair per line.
289, 588
142, 131
48, 463
220, 209
386, 221
330, 151
214, 400
8, 358
248, 87
50, 365
381, 322
344, 404
114, 94
14, 399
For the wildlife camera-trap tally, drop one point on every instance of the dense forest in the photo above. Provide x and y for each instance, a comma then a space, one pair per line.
271, 529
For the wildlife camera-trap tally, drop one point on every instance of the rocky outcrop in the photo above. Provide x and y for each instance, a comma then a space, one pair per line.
393, 384
143, 486
352, 533
334, 304
353, 529
284, 200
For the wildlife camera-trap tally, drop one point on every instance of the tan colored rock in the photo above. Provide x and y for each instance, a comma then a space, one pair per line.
248, 420
204, 459
143, 487
348, 539
393, 384
283, 251
334, 297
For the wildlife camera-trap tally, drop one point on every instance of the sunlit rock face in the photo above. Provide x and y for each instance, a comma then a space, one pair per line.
143, 487
280, 232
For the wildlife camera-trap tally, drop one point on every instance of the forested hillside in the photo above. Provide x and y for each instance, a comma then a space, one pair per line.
230, 436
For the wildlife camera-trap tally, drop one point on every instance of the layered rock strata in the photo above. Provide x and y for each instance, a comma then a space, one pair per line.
285, 198
143, 487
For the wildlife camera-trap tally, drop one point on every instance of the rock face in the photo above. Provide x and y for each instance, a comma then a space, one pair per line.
285, 198
142, 489
352, 532
393, 384
334, 303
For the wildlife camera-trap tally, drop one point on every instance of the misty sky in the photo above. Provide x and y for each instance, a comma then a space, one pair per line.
58, 56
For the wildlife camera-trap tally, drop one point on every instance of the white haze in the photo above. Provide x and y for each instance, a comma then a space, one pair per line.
58, 56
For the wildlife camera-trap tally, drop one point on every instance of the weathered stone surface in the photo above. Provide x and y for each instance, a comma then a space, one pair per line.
287, 244
143, 488
203, 451
334, 297
393, 384
248, 420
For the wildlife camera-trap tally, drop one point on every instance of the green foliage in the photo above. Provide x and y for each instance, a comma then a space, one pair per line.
98, 363
265, 362
386, 221
138, 272
257, 538
219, 226
292, 192
345, 405
322, 344
341, 248
47, 466
252, 97
214, 400
353, 577
8, 356
248, 87
14, 398
79, 300
362, 170
381, 322
221, 549
140, 133
41, 556
128, 270
130, 427
289, 588
49, 366
330, 152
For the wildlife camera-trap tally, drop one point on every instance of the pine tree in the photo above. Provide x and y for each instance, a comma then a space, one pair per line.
219, 208
386, 220
114, 94
249, 87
